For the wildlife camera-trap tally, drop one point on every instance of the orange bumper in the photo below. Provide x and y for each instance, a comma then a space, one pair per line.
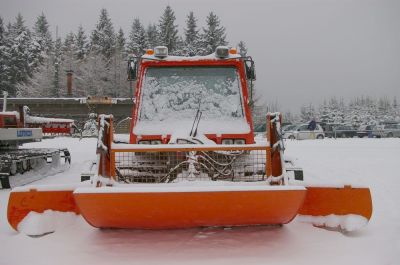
116, 208
323, 201
150, 207
21, 203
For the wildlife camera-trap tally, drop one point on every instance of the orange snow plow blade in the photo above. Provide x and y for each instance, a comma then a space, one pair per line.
324, 201
155, 209
23, 201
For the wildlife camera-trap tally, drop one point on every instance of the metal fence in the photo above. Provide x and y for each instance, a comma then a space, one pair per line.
168, 163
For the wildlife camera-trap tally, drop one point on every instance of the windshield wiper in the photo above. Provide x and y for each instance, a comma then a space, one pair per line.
194, 122
198, 121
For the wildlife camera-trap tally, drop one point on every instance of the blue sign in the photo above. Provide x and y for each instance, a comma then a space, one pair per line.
24, 133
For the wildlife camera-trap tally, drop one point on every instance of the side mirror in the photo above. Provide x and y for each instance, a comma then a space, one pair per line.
250, 69
250, 75
132, 70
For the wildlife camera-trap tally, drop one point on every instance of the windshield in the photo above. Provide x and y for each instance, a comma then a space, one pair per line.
178, 92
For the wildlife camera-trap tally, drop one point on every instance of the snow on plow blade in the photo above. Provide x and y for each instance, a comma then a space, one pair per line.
347, 208
167, 208
24, 200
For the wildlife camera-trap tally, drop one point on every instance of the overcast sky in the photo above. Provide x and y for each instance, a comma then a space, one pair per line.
305, 50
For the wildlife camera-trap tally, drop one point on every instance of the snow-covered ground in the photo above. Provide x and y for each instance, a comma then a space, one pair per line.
371, 162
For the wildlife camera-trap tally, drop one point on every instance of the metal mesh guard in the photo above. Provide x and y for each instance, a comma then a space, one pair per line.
166, 166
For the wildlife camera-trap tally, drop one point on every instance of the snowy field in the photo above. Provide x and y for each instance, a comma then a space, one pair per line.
371, 162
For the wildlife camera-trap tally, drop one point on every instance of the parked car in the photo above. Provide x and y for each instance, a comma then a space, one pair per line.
344, 131
329, 128
289, 128
261, 128
386, 130
365, 130
302, 132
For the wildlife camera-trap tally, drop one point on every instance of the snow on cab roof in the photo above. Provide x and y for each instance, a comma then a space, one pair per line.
191, 58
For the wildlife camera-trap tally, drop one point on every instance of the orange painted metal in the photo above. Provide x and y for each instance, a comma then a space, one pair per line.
323, 201
21, 203
168, 210
106, 163
272, 137
188, 148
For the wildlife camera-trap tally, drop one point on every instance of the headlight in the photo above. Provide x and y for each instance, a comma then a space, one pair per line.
227, 141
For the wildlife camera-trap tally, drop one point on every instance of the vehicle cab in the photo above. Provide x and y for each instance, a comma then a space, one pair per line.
9, 119
206, 97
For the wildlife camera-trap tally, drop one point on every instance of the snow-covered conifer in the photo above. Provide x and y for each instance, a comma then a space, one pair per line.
192, 37
56, 91
120, 41
42, 38
2, 31
103, 36
242, 48
168, 30
18, 44
137, 38
307, 112
81, 44
152, 35
181, 49
3, 57
69, 45
213, 35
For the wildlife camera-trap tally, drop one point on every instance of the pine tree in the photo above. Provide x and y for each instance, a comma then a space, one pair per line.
56, 89
3, 57
69, 44
152, 36
137, 39
242, 48
81, 44
121, 42
68, 51
2, 32
80, 53
47, 79
307, 113
42, 38
213, 35
103, 37
168, 29
18, 44
119, 67
192, 37
180, 48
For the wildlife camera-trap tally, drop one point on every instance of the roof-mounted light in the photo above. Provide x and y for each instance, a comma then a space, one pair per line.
161, 51
149, 52
222, 52
233, 51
